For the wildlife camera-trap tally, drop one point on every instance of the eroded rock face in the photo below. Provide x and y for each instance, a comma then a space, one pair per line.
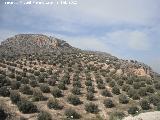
32, 43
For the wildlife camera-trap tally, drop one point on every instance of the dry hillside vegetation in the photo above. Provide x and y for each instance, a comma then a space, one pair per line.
55, 81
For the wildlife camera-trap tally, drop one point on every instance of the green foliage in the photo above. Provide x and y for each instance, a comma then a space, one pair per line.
77, 84
106, 93
116, 90
62, 86
157, 85
44, 116
15, 85
37, 95
76, 91
25, 80
125, 88
51, 81
26, 107
154, 99
26, 89
112, 83
90, 96
54, 104
108, 103
145, 105
90, 89
4, 91
74, 100
91, 107
100, 86
56, 92
133, 110
72, 114
45, 88
33, 83
117, 115
88, 82
150, 89
15, 96
142, 92
136, 85
123, 99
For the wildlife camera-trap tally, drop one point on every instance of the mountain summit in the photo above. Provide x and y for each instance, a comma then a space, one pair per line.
33, 43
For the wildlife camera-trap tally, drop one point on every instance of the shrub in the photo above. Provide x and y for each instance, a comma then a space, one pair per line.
66, 79
76, 91
118, 115
100, 86
51, 82
74, 100
123, 99
54, 104
36, 73
72, 114
91, 107
150, 89
120, 82
4, 91
90, 96
15, 85
133, 110
26, 107
12, 75
142, 92
44, 88
15, 97
149, 81
106, 93
116, 90
42, 70
26, 89
157, 85
5, 81
143, 84
154, 99
77, 84
112, 83
158, 106
145, 105
37, 95
62, 86
3, 114
131, 92
129, 81
18, 78
88, 82
44, 116
40, 78
136, 85
125, 87
33, 83
90, 89
108, 103
56, 92
136, 96
25, 80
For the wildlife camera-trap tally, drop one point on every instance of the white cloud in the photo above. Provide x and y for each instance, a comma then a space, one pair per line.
134, 40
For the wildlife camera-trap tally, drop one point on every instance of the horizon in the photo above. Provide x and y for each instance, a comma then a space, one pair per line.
127, 30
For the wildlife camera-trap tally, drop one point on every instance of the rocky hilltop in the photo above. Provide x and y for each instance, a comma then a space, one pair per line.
33, 43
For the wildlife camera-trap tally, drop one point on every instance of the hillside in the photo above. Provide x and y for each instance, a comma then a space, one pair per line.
45, 77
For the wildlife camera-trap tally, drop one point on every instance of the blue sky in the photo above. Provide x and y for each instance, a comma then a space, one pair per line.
128, 29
